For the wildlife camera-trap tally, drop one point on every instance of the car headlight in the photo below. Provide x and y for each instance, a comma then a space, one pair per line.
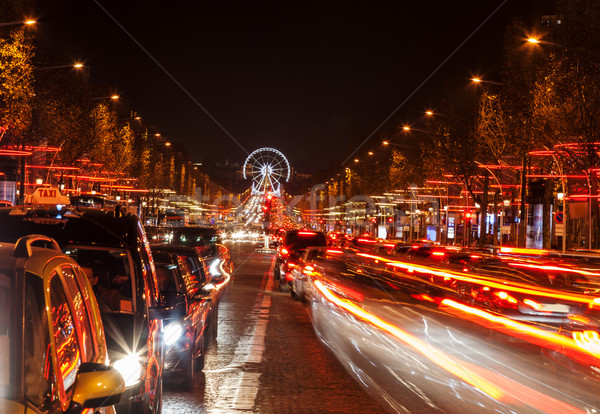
172, 332
214, 268
130, 369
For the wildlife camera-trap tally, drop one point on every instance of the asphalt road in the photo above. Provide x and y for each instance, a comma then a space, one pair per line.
267, 357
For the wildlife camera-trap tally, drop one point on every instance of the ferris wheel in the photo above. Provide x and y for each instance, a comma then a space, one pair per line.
267, 168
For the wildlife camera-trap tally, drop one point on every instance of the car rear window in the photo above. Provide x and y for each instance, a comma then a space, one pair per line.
303, 239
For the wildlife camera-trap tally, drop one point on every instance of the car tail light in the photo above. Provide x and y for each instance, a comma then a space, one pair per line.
291, 264
438, 253
579, 318
532, 304
307, 233
506, 300
308, 270
594, 304
284, 252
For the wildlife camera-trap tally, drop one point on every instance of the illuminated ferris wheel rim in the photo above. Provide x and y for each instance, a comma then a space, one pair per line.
267, 149
266, 167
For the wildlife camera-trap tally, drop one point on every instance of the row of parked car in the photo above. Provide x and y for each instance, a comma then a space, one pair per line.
93, 315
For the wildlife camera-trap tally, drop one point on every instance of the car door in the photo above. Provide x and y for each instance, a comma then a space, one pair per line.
67, 354
197, 309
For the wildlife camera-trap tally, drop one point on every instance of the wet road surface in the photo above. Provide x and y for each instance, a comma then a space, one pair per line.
267, 358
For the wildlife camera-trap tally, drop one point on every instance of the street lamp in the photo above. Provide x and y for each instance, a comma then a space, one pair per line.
479, 80
386, 143
114, 97
76, 65
26, 23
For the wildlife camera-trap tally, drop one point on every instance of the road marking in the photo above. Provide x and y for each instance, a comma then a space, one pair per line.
238, 391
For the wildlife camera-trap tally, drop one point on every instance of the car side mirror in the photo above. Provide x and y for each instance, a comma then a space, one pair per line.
169, 307
96, 385
206, 292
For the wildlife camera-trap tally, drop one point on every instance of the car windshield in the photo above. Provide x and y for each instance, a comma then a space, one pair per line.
303, 239
110, 274
196, 236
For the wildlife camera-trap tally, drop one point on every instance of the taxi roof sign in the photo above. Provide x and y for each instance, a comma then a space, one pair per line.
47, 195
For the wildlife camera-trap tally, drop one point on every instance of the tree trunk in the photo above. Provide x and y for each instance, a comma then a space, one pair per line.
497, 222
483, 208
523, 216
595, 242
548, 199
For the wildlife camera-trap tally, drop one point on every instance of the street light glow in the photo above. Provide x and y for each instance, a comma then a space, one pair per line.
476, 80
406, 128
29, 22
429, 113
385, 143
533, 40
355, 159
370, 152
78, 65
114, 97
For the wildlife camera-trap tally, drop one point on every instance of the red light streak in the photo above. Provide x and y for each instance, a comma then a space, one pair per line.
517, 250
433, 354
366, 240
555, 269
50, 167
532, 334
15, 153
332, 251
307, 233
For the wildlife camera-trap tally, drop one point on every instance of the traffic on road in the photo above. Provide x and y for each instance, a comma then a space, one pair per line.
185, 319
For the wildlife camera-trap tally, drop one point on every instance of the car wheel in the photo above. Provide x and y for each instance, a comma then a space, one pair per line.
187, 382
199, 362
158, 397
214, 325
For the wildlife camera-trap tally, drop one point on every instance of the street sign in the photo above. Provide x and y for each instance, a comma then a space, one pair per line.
559, 217
559, 229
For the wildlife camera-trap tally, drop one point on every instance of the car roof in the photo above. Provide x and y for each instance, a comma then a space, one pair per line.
173, 248
99, 227
35, 264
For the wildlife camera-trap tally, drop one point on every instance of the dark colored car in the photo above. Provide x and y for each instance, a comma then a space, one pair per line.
185, 333
205, 271
58, 366
294, 243
114, 247
204, 239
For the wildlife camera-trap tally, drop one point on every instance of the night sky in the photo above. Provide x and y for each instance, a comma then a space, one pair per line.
310, 79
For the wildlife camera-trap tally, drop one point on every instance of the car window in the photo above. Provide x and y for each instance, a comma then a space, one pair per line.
68, 353
191, 279
148, 267
110, 274
89, 298
80, 313
304, 239
5, 318
37, 367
